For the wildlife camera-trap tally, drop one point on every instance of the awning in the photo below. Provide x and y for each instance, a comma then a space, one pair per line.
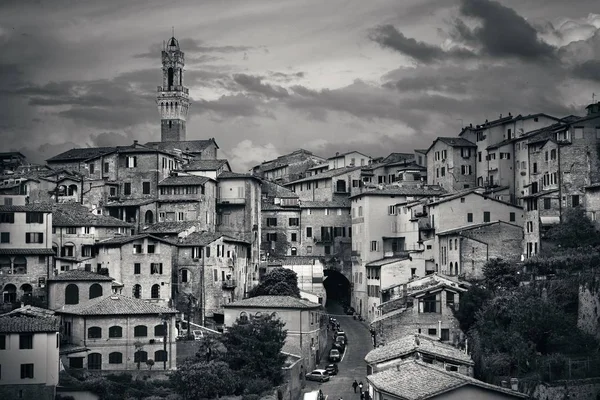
549, 220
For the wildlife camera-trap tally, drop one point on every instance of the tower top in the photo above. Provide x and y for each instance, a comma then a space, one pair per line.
173, 44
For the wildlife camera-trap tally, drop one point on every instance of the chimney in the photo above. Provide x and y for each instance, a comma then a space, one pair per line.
135, 142
504, 384
500, 115
337, 153
514, 384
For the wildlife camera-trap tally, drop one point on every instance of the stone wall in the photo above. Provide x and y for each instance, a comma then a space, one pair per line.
582, 389
38, 392
588, 319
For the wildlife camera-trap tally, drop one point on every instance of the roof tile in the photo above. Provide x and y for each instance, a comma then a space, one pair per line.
20, 323
273, 302
330, 173
70, 215
183, 180
205, 165
79, 275
115, 305
170, 227
26, 252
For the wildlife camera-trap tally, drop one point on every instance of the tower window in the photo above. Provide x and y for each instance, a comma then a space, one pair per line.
170, 78
170, 124
180, 77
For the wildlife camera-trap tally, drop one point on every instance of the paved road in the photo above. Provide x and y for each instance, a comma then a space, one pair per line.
352, 365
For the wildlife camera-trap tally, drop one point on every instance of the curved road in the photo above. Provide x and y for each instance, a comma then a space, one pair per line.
353, 364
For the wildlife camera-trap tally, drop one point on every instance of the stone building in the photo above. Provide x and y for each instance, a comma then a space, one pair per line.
451, 163
426, 348
280, 218
208, 168
143, 264
190, 150
288, 167
310, 272
328, 185
116, 332
29, 361
348, 159
326, 229
25, 251
305, 322
75, 287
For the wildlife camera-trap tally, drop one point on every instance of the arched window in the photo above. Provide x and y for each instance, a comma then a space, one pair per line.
149, 217
159, 330
9, 294
455, 244
140, 331
170, 77
27, 290
160, 355
72, 190
155, 291
137, 291
94, 361
451, 267
274, 316
20, 265
115, 331
180, 77
95, 291
456, 270
94, 332
243, 316
140, 356
5, 265
72, 294
258, 315
115, 358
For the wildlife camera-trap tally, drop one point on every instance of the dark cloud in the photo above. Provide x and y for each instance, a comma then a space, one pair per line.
254, 84
388, 36
191, 46
503, 32
589, 70
286, 77
238, 105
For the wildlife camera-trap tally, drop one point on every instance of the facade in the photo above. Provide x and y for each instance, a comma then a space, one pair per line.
280, 218
116, 332
205, 149
173, 97
328, 185
29, 361
451, 164
305, 322
310, 272
208, 168
423, 347
143, 264
349, 159
416, 379
288, 167
76, 286
26, 255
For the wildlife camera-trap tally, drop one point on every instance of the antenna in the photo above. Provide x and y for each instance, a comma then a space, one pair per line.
593, 97
173, 31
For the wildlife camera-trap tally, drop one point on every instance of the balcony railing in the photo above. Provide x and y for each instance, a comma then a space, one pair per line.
176, 88
229, 284
231, 200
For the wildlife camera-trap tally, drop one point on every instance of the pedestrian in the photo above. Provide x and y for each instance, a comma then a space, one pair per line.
360, 386
362, 395
321, 397
354, 385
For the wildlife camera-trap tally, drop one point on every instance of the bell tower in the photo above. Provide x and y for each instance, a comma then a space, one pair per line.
173, 98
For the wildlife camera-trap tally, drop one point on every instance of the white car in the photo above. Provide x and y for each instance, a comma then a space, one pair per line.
319, 375
198, 334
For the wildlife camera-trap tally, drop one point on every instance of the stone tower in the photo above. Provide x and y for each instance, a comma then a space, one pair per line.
173, 98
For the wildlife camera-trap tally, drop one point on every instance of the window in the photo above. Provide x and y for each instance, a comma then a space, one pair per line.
308, 231
159, 330
72, 294
127, 188
391, 210
450, 299
115, 358
115, 332
486, 216
94, 332
34, 237
26, 371
294, 237
131, 162
445, 335
578, 134
34, 218
360, 211
156, 268
137, 268
374, 245
575, 200
243, 316
137, 249
294, 221
2, 342
547, 204
432, 332
137, 291
76, 362
25, 341
7, 218
271, 221
309, 249
106, 167
512, 217
92, 168
469, 217
327, 250
151, 248
145, 187
5, 237
185, 275
160, 355
8, 201
140, 331
95, 290
430, 304
271, 237
155, 291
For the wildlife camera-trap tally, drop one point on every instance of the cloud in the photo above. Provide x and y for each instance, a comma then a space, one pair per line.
503, 32
254, 84
189, 45
569, 30
388, 36
247, 154
589, 70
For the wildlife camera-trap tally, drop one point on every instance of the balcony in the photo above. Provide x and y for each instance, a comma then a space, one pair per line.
173, 89
229, 284
231, 200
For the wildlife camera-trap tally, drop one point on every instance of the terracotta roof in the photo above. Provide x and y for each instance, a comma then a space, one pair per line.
26, 252
267, 206
474, 226
330, 173
539, 194
205, 165
416, 380
205, 238
36, 207
81, 216
408, 344
346, 153
184, 180
81, 154
319, 166
273, 302
170, 227
387, 260
189, 146
115, 305
337, 203
235, 175
469, 192
274, 166
17, 323
119, 240
32, 311
274, 190
130, 203
294, 260
426, 190
79, 275
453, 142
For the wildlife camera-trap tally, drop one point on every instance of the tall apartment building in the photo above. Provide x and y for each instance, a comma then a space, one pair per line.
451, 164
288, 167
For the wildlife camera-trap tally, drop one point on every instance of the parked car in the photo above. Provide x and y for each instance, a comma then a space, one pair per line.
334, 355
319, 375
340, 342
332, 369
341, 334
198, 334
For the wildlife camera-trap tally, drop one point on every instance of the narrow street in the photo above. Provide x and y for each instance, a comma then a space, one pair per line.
352, 365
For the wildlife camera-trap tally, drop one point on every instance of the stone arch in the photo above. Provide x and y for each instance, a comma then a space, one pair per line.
95, 291
170, 74
149, 217
155, 291
5, 265
337, 285
9, 293
72, 190
72, 294
20, 265
27, 290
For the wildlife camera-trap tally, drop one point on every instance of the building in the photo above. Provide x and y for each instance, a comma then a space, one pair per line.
310, 272
11, 160
348, 159
280, 218
328, 185
116, 332
376, 239
426, 348
25, 252
451, 163
75, 232
418, 380
305, 322
192, 150
288, 167
75, 287
421, 306
173, 97
143, 264
208, 168
212, 271
29, 361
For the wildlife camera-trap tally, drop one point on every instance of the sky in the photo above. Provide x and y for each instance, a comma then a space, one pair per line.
267, 77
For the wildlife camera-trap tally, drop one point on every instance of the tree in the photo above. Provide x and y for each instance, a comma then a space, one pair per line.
150, 363
187, 304
499, 274
200, 380
278, 282
574, 231
471, 301
254, 349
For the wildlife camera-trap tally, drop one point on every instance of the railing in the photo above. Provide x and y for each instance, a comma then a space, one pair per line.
231, 200
176, 88
229, 284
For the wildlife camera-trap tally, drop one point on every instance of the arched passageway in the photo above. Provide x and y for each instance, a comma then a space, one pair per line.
337, 286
